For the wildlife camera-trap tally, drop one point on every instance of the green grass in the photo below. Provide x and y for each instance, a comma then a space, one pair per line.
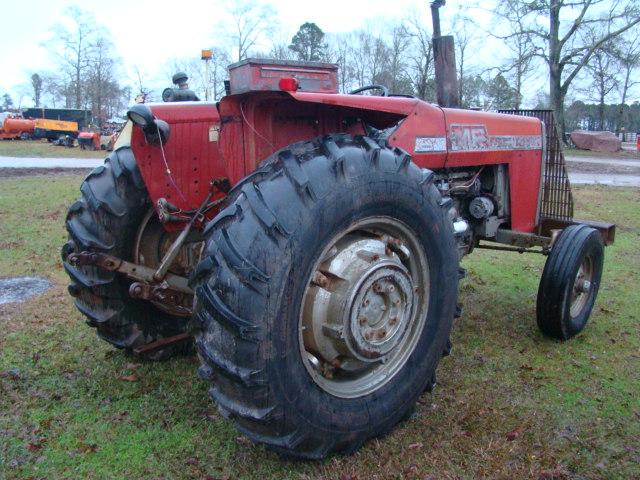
42, 148
67, 412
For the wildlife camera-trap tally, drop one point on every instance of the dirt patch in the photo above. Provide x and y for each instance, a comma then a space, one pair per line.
26, 172
582, 167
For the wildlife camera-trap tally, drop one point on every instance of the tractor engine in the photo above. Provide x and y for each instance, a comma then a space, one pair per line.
480, 202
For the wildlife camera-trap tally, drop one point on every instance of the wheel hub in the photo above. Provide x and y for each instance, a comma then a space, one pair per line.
581, 287
379, 310
366, 299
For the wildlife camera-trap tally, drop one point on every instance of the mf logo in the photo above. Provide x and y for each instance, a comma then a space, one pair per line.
468, 137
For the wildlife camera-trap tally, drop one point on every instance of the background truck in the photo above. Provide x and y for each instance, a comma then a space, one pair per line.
54, 129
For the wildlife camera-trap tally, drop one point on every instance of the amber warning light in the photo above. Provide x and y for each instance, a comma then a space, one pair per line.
288, 84
206, 54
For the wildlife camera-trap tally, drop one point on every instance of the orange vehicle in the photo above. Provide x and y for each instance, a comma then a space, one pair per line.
16, 128
53, 129
89, 140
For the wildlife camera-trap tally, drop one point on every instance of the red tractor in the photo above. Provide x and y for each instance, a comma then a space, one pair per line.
308, 244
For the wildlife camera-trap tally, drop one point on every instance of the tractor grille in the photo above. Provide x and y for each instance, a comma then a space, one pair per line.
557, 200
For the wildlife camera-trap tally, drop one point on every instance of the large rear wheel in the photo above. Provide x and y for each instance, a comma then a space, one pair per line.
326, 295
112, 217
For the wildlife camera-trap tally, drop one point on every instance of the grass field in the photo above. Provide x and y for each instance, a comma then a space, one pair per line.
42, 148
509, 403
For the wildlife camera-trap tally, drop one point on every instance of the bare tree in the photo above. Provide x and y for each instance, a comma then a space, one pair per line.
361, 49
281, 51
522, 48
628, 54
218, 72
604, 78
144, 93
100, 81
421, 59
463, 39
340, 51
563, 44
36, 84
399, 81
250, 22
72, 47
51, 90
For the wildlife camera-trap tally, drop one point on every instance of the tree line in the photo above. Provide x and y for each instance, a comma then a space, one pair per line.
587, 49
87, 70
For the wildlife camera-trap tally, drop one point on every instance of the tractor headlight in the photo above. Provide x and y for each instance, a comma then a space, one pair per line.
142, 116
155, 130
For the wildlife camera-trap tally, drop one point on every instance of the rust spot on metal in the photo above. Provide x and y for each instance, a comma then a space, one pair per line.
163, 342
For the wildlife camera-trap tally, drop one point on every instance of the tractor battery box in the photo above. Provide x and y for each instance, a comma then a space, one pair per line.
253, 75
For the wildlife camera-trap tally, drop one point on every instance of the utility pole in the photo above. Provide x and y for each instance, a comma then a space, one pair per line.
206, 56
445, 61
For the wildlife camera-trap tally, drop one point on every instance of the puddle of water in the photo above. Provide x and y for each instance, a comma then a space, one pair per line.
19, 289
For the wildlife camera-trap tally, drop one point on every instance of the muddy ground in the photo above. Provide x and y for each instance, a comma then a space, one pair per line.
26, 172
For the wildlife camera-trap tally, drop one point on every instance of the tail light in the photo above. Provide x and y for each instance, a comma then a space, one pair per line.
288, 84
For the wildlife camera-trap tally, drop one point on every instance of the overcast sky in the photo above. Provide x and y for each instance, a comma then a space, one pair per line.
146, 33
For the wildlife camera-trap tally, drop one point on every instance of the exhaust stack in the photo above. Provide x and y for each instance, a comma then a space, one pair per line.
445, 57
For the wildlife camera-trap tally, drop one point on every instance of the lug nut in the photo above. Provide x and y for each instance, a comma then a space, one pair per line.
320, 279
390, 288
397, 301
366, 302
377, 288
381, 334
393, 320
368, 336
363, 320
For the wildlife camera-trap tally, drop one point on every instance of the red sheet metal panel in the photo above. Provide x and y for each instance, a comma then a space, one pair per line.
482, 138
264, 75
191, 154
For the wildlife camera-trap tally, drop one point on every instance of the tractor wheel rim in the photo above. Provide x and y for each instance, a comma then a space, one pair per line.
150, 238
582, 287
364, 307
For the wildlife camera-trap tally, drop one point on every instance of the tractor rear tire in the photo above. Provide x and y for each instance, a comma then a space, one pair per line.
253, 288
106, 219
570, 282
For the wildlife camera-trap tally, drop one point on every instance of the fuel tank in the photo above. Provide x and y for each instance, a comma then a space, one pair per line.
17, 125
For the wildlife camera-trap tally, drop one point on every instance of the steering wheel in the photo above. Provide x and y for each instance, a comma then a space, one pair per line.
382, 88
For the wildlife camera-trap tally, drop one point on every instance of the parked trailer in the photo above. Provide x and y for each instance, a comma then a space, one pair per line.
54, 129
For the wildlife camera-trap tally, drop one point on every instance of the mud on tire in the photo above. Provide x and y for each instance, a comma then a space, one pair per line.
105, 219
250, 283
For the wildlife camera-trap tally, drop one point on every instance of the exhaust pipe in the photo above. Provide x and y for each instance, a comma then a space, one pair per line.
445, 56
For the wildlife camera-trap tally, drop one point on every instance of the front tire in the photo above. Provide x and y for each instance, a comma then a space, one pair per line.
113, 205
262, 259
570, 282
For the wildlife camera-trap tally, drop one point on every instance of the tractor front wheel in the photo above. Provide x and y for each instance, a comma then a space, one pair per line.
570, 282
326, 295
